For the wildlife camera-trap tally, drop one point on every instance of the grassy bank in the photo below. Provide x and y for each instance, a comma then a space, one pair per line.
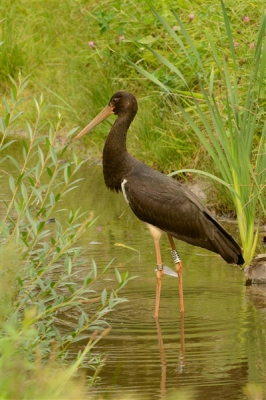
78, 52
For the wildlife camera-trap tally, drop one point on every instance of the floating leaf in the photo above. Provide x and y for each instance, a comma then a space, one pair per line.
126, 247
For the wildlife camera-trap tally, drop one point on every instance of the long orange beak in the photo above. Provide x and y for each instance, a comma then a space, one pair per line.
106, 112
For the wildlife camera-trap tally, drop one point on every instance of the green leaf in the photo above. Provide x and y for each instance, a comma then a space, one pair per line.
49, 172
41, 157
149, 39
23, 86
81, 321
12, 80
20, 281
15, 116
53, 155
12, 183
6, 106
70, 133
118, 276
211, 82
40, 226
14, 92
25, 146
2, 124
36, 105
169, 65
37, 171
69, 267
87, 279
104, 296
111, 300
70, 288
48, 144
208, 175
4, 146
31, 181
67, 173
31, 220
149, 76
7, 119
94, 269
24, 192
229, 33
29, 130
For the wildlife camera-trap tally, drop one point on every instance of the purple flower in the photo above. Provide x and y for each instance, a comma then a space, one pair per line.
191, 17
252, 46
121, 38
91, 44
236, 44
246, 20
175, 28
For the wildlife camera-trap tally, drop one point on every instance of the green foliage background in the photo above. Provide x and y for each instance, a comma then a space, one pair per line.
50, 42
78, 53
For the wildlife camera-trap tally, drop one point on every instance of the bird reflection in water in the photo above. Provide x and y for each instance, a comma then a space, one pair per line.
181, 365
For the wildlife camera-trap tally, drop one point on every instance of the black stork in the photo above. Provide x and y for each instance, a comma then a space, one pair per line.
160, 201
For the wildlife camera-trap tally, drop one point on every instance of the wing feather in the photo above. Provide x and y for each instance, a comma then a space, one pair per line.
163, 202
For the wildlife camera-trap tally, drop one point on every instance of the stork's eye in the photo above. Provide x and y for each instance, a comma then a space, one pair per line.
115, 100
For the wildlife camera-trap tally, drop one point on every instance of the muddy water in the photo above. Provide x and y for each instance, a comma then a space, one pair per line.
213, 353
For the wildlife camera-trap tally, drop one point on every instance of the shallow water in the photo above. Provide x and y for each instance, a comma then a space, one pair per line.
213, 353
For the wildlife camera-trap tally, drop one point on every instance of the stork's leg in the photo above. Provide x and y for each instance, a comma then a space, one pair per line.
156, 234
179, 266
159, 274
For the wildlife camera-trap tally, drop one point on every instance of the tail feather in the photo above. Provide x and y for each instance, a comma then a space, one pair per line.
226, 245
228, 248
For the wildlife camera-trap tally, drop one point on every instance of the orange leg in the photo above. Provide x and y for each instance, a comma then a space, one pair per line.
178, 265
159, 274
156, 234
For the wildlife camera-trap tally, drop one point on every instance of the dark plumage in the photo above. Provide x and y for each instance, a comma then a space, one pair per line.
176, 210
154, 197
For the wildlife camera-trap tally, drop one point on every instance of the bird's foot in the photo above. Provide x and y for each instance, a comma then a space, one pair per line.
166, 270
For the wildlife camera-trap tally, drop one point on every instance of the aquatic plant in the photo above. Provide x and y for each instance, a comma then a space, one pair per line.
233, 127
48, 301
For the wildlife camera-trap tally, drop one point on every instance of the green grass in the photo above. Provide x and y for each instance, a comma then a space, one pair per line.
224, 117
50, 42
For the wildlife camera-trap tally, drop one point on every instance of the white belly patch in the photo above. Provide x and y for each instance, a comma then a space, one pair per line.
124, 190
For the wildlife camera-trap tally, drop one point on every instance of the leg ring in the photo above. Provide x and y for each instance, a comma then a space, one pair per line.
175, 256
159, 267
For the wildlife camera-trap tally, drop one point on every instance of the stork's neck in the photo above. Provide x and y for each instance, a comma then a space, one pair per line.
117, 162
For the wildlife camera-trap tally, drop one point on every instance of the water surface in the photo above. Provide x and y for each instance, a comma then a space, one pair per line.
213, 353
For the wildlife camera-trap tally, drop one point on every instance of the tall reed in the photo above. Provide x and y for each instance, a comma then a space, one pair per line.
230, 130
